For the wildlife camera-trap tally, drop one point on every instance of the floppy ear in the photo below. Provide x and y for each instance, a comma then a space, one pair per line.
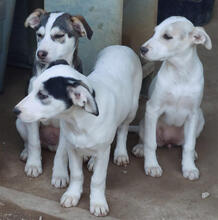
200, 36
81, 96
81, 26
33, 19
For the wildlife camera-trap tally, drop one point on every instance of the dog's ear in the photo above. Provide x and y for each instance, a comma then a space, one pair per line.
81, 26
200, 36
33, 19
82, 97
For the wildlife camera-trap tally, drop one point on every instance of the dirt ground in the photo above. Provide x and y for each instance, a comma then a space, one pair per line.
130, 193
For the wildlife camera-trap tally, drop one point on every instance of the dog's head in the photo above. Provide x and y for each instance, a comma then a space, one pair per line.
172, 37
58, 89
57, 34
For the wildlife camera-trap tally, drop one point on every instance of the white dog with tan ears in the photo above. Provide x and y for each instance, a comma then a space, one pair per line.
173, 114
91, 110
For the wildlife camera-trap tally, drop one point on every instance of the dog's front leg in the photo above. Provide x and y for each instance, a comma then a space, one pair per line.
151, 165
98, 202
190, 171
60, 177
33, 166
72, 195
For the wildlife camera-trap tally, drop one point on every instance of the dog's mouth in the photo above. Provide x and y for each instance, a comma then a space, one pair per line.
43, 61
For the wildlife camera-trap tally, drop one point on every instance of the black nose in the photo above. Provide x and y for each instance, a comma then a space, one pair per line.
144, 50
16, 111
42, 54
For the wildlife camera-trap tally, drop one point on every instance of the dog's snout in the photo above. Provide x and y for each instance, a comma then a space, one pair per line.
42, 54
16, 111
144, 50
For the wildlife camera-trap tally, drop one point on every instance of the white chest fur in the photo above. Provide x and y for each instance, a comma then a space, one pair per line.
181, 93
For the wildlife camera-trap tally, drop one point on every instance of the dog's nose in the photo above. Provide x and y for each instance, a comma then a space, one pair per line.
144, 50
16, 111
42, 54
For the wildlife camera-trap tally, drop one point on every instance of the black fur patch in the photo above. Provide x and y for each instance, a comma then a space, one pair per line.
63, 23
57, 87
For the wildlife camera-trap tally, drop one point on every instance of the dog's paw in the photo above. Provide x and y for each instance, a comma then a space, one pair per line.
192, 174
138, 150
69, 200
121, 160
99, 209
33, 170
154, 171
91, 164
24, 155
60, 181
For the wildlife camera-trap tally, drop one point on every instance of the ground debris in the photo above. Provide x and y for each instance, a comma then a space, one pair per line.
124, 171
204, 195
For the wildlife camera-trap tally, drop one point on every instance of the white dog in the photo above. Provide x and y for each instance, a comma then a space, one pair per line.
57, 38
173, 114
91, 109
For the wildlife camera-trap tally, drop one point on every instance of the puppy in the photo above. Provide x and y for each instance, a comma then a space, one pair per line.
173, 114
57, 38
91, 109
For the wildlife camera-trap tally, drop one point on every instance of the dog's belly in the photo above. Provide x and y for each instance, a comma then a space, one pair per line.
168, 135
49, 132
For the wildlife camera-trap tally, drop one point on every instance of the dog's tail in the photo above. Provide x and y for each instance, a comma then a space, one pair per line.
133, 128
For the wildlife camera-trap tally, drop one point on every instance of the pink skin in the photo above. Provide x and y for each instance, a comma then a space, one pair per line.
49, 135
169, 135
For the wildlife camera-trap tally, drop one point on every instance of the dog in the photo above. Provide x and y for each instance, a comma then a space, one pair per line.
57, 36
91, 110
173, 114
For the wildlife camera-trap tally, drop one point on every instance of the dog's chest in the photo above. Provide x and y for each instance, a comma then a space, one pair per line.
178, 103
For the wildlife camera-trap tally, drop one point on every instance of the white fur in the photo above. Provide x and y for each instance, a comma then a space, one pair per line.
175, 94
116, 80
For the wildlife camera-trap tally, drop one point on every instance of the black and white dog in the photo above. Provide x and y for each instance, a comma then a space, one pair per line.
92, 110
57, 38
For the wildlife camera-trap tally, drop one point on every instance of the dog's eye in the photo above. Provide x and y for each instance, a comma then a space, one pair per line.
39, 35
167, 37
42, 96
58, 36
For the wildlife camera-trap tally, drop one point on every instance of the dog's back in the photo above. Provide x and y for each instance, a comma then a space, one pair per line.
117, 81
118, 67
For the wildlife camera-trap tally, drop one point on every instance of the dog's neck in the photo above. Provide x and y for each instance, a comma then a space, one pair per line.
186, 61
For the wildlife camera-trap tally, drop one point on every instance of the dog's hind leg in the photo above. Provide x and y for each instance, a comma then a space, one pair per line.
121, 157
22, 130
